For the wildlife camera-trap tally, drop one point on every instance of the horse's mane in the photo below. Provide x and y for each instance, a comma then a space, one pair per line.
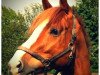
80, 20
54, 12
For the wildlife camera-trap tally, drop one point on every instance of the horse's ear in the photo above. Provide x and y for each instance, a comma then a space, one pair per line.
46, 4
64, 4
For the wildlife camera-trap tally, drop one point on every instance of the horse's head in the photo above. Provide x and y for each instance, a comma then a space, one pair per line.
50, 34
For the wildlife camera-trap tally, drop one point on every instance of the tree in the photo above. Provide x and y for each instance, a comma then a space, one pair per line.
88, 10
13, 30
31, 12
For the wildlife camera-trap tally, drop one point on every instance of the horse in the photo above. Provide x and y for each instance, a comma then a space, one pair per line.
57, 40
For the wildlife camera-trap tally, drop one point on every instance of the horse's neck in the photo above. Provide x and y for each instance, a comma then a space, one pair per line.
82, 64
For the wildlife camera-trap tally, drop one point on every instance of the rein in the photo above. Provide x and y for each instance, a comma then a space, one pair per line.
49, 63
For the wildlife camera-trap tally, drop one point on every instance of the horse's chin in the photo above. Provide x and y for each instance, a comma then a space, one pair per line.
16, 73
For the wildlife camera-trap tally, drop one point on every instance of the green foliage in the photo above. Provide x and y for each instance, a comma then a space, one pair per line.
88, 10
31, 12
13, 30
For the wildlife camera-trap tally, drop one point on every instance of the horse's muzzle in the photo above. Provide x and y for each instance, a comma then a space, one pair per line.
16, 69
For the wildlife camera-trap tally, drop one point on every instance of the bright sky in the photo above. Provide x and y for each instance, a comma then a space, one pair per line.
19, 5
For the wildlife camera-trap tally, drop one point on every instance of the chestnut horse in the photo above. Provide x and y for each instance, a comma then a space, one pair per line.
57, 41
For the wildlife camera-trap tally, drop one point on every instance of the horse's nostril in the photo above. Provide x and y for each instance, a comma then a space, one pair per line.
20, 66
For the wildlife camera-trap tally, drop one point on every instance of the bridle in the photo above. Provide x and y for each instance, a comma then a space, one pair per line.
49, 63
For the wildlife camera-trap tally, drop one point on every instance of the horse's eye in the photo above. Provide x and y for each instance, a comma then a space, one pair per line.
55, 32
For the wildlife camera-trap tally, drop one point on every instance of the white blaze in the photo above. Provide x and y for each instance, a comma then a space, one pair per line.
32, 39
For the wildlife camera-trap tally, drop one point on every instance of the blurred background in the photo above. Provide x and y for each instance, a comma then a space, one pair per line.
17, 15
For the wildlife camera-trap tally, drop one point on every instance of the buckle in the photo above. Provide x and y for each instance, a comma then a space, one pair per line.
46, 63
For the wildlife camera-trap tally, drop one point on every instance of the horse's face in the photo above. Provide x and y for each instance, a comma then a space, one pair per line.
50, 34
